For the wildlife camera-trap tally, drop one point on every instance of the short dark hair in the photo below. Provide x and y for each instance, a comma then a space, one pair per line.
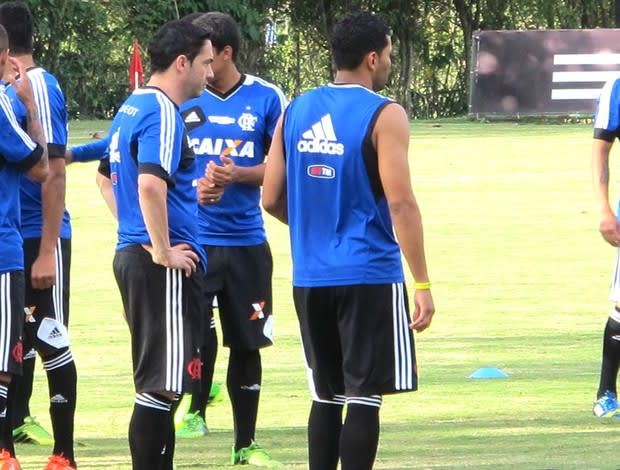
19, 24
354, 36
224, 30
172, 39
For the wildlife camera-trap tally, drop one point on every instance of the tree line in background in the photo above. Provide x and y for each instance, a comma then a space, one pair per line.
87, 43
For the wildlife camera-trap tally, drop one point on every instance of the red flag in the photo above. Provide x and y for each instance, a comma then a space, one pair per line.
136, 71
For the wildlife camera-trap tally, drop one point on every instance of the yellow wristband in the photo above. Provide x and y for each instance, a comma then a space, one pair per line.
422, 285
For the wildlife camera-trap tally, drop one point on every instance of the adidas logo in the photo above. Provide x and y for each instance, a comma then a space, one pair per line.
321, 138
192, 117
55, 333
58, 398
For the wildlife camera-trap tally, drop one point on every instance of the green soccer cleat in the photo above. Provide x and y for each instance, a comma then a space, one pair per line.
31, 431
182, 410
192, 426
215, 394
253, 455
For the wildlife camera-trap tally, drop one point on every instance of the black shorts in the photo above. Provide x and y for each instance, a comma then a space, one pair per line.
47, 318
11, 321
165, 310
356, 339
240, 276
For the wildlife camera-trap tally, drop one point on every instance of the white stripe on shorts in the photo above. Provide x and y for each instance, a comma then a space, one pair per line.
58, 287
5, 321
174, 330
403, 364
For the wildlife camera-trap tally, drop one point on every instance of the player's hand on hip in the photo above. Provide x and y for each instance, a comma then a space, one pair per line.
610, 229
180, 256
424, 309
43, 271
209, 192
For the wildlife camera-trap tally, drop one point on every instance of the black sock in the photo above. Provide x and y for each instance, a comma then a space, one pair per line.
611, 357
200, 393
324, 426
359, 438
168, 456
243, 382
149, 431
6, 430
62, 384
20, 408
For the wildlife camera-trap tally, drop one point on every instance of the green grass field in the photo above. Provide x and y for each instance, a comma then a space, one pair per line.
520, 277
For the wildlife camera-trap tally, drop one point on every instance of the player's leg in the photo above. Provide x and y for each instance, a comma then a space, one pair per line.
378, 358
316, 311
11, 350
26, 427
156, 302
606, 404
245, 306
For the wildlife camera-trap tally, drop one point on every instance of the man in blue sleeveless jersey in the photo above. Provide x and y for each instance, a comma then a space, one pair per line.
230, 126
21, 152
47, 256
338, 174
606, 130
159, 263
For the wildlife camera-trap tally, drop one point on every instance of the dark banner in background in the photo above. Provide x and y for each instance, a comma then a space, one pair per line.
541, 72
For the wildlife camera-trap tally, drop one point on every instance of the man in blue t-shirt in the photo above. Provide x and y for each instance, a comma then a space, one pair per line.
159, 263
606, 130
46, 231
21, 152
230, 127
338, 174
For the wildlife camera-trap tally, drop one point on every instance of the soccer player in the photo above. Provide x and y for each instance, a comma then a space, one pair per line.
47, 256
230, 126
20, 152
606, 130
338, 174
159, 263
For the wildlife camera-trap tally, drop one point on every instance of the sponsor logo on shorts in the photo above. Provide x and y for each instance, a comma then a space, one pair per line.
258, 311
251, 388
194, 369
29, 314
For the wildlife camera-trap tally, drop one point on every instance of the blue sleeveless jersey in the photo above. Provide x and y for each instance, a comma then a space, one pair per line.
239, 124
18, 153
340, 226
55, 122
147, 135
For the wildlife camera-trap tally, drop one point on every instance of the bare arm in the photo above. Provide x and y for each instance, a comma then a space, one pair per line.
23, 89
608, 226
43, 274
107, 192
274, 184
153, 192
391, 137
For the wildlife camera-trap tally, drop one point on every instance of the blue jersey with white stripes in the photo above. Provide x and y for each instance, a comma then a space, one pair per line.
340, 226
239, 124
607, 116
147, 135
18, 153
55, 122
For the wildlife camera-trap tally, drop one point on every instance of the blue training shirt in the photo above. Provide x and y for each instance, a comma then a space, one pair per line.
239, 124
18, 153
55, 121
92, 151
607, 116
147, 135
340, 226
